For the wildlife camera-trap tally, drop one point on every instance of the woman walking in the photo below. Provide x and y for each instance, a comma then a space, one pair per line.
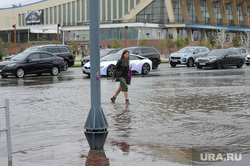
120, 73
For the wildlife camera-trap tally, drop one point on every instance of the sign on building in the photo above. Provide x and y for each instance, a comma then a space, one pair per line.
34, 17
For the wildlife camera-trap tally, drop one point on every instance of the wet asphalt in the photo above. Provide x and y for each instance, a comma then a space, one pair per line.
175, 114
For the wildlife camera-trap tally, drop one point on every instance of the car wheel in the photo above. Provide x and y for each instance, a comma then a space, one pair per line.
219, 65
54, 71
155, 64
110, 70
190, 62
66, 65
199, 67
172, 64
240, 64
145, 69
4, 76
20, 73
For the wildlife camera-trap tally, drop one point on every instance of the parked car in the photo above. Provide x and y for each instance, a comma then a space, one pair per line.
144, 51
244, 52
248, 58
32, 63
138, 63
9, 57
220, 58
187, 55
103, 53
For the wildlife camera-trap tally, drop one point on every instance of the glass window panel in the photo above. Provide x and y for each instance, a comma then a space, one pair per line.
83, 10
47, 15
109, 10
69, 13
114, 9
103, 10
64, 14
126, 7
51, 15
19, 19
55, 15
132, 3
87, 10
120, 8
60, 13
73, 13
78, 10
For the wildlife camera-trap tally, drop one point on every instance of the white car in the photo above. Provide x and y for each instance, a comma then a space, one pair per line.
138, 63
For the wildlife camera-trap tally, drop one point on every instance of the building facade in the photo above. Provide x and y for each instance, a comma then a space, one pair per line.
144, 19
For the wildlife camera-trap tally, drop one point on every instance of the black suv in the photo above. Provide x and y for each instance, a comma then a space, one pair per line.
59, 50
148, 52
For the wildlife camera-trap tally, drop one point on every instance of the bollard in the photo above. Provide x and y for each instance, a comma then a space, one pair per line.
96, 124
7, 116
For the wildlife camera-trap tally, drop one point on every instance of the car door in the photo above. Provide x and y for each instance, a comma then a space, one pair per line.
45, 62
197, 53
146, 52
228, 59
133, 61
234, 57
33, 65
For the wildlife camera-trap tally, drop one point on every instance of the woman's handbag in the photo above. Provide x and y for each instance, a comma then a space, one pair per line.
129, 77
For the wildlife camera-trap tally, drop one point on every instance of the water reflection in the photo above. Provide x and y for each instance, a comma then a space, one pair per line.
97, 157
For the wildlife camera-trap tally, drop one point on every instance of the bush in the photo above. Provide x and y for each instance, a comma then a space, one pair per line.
1, 49
169, 45
143, 42
236, 42
116, 44
180, 42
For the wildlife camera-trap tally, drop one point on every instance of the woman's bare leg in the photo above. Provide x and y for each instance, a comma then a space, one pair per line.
118, 91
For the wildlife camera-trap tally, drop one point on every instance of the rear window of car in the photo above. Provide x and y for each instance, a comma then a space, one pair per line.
42, 56
146, 50
63, 49
52, 49
243, 50
153, 50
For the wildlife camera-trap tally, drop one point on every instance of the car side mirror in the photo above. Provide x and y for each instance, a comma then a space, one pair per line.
29, 60
195, 52
226, 55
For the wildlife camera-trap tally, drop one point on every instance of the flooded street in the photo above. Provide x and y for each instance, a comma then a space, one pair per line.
175, 113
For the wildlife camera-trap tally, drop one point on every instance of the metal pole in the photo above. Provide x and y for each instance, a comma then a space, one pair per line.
67, 37
58, 25
7, 114
96, 124
125, 36
14, 26
10, 43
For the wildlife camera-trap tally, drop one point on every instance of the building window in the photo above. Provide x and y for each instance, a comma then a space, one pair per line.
169, 33
114, 9
132, 3
205, 13
19, 20
47, 15
191, 12
69, 14
229, 14
88, 9
51, 15
78, 10
73, 13
120, 8
103, 10
60, 13
154, 13
177, 11
196, 35
217, 13
125, 7
239, 11
109, 10
64, 14
83, 10
55, 15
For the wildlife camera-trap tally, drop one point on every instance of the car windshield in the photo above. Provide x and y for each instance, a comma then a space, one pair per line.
216, 53
111, 57
32, 49
104, 52
20, 57
186, 50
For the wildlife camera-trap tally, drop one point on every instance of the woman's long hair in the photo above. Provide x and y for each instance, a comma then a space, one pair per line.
123, 53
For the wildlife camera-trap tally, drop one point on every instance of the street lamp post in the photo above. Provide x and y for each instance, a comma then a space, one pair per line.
58, 25
10, 43
68, 37
14, 26
126, 27
96, 124
147, 35
83, 44
78, 45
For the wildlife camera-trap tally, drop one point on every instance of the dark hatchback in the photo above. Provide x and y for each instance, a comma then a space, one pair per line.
221, 58
32, 63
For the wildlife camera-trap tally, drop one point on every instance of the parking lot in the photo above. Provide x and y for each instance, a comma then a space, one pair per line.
173, 112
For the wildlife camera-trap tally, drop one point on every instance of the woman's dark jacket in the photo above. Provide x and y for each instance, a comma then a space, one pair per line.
121, 69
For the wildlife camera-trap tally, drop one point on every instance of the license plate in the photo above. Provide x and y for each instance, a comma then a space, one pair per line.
174, 60
202, 63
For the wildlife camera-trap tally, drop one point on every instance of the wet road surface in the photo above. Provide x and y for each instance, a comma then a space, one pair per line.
174, 113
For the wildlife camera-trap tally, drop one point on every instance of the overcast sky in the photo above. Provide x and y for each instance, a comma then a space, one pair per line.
8, 3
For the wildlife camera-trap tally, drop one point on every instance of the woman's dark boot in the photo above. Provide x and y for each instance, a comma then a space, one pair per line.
113, 99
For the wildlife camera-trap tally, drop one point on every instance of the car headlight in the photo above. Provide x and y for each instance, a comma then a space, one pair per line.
212, 60
11, 65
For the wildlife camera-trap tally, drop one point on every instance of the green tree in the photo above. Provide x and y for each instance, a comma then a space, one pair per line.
236, 42
169, 45
116, 44
208, 44
180, 42
1, 49
43, 38
161, 45
74, 47
200, 43
212, 40
143, 42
